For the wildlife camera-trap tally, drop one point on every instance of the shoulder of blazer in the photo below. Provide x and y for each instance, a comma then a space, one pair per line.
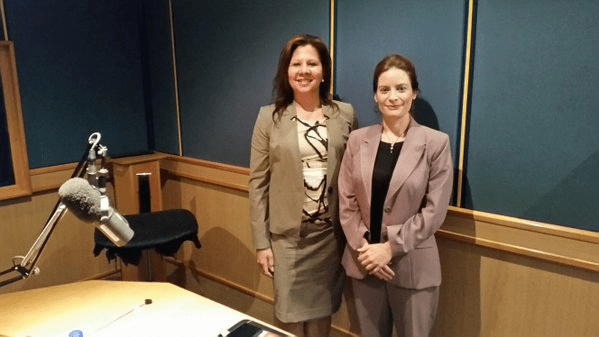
366, 133
435, 142
266, 110
434, 139
265, 115
345, 109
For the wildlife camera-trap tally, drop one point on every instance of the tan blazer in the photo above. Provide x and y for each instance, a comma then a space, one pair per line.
414, 208
276, 184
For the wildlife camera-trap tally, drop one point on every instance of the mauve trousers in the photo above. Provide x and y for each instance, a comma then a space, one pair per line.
380, 305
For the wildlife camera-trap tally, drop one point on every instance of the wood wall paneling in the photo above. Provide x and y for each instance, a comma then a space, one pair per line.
502, 276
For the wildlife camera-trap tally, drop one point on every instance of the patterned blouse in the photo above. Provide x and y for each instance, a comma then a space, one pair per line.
313, 144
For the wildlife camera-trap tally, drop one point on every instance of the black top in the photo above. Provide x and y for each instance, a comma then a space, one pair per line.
384, 165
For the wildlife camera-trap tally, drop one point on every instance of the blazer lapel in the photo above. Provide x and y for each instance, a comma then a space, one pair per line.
368, 149
288, 139
410, 155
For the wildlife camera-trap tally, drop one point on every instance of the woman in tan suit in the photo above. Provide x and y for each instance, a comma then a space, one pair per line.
394, 187
297, 146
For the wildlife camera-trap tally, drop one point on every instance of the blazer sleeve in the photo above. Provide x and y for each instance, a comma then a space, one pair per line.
354, 123
422, 225
259, 182
349, 210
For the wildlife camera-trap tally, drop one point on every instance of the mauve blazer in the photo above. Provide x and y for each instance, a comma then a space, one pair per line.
276, 186
414, 208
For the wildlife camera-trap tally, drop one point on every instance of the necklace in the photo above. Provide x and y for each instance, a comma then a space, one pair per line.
392, 142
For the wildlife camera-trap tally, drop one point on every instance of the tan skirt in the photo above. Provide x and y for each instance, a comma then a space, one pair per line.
308, 279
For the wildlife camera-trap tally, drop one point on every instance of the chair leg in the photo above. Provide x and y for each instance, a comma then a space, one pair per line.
148, 266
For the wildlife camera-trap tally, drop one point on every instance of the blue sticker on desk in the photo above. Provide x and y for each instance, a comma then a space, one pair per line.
76, 333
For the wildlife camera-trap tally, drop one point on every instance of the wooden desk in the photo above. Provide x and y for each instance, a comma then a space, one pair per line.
94, 307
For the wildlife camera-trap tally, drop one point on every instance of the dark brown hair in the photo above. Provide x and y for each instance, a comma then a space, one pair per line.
282, 91
399, 62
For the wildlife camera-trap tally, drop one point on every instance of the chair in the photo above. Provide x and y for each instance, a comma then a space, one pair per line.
163, 231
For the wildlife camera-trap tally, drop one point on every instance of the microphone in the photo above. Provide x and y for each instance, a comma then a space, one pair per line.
89, 205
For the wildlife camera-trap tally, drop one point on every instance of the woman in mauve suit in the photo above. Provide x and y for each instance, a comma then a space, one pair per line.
395, 183
297, 146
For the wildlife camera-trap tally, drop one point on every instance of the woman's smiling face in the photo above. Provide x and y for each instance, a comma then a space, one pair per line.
394, 94
305, 70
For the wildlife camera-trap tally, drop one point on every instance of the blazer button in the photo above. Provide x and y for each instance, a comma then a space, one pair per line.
387, 210
330, 189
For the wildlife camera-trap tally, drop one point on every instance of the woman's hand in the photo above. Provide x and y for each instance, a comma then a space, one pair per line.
266, 261
384, 274
375, 257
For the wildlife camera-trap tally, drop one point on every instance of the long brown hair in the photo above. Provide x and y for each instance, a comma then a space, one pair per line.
282, 91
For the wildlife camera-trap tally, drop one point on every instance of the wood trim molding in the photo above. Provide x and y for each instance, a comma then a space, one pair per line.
208, 164
332, 28
465, 102
558, 244
208, 172
144, 158
4, 25
51, 177
171, 20
528, 225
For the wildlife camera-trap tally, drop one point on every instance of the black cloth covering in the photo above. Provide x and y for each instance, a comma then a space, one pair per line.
163, 231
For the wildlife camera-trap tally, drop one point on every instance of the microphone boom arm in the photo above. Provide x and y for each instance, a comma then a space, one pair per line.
24, 266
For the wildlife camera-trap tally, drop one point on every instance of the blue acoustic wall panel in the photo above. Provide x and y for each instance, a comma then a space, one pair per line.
79, 65
534, 140
227, 53
159, 76
430, 33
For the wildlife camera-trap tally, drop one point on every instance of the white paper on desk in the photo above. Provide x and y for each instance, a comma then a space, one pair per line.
155, 320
